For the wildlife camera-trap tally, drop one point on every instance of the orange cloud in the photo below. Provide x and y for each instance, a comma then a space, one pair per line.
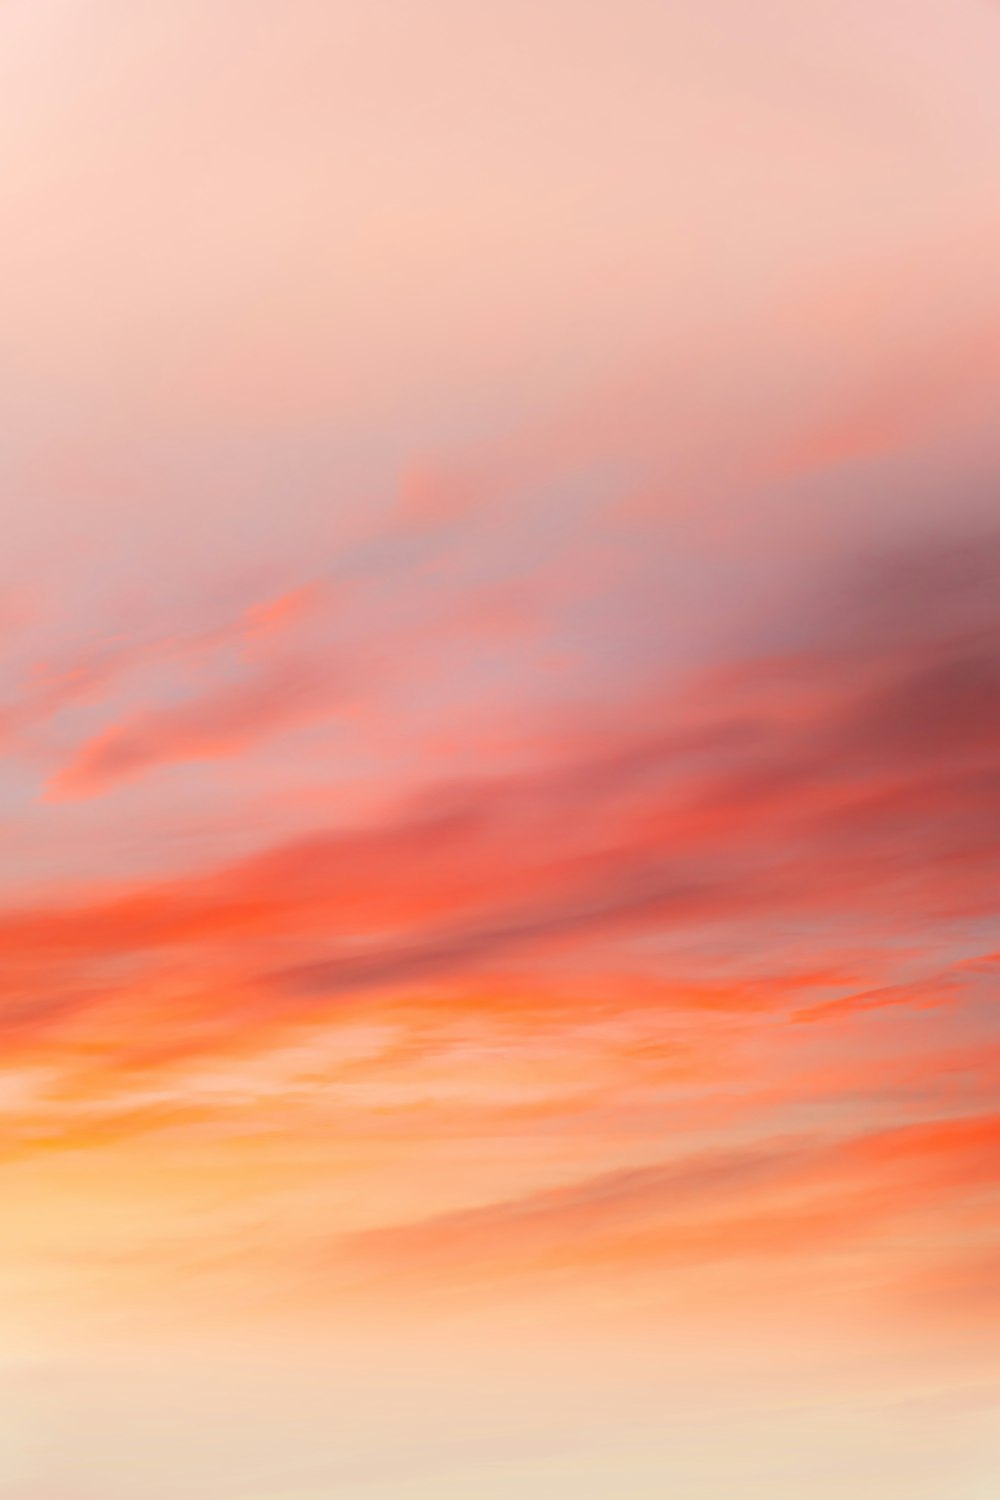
772, 1201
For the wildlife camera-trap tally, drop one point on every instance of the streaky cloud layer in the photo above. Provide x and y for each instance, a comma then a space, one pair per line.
500, 750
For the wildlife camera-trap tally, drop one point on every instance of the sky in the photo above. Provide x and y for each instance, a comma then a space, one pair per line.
499, 750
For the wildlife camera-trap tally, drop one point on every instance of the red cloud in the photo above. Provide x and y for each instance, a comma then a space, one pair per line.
849, 785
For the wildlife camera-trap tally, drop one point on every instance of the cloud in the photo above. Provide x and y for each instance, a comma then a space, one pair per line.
768, 1201
858, 780
65, 679
209, 726
849, 785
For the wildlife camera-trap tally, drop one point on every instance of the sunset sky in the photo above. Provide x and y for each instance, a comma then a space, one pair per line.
500, 750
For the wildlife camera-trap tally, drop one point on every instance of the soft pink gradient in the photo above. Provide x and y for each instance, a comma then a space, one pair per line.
500, 782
